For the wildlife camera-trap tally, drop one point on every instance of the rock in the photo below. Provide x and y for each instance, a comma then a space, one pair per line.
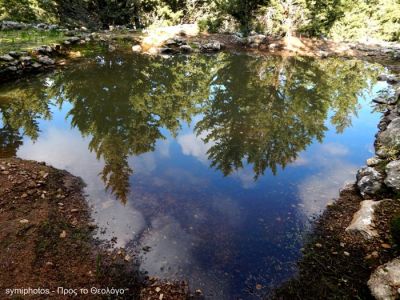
256, 40
166, 50
389, 139
363, 220
346, 253
63, 234
369, 181
212, 46
238, 40
392, 179
15, 54
45, 60
6, 57
373, 161
25, 59
74, 40
170, 42
185, 49
137, 48
385, 100
45, 50
36, 65
385, 281
24, 221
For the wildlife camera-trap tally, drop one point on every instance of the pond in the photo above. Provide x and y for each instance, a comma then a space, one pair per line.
208, 167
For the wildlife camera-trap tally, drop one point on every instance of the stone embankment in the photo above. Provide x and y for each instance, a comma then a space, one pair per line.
378, 183
16, 64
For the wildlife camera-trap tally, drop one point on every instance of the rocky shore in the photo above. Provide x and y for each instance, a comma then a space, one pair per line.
47, 244
354, 248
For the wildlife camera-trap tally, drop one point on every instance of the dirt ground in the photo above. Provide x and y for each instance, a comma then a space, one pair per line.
46, 242
336, 264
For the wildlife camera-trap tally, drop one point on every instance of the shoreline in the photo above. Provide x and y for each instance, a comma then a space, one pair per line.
352, 251
47, 243
344, 259
186, 39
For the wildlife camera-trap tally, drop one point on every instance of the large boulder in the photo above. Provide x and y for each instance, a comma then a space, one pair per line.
369, 181
385, 281
392, 179
363, 220
389, 140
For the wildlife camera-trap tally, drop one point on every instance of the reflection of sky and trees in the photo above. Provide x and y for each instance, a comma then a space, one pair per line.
154, 126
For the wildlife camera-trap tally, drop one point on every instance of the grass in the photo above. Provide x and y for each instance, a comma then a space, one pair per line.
27, 39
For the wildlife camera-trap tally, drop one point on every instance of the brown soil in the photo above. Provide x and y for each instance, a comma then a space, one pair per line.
337, 265
46, 239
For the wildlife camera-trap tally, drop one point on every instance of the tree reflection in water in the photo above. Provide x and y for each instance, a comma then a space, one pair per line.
260, 111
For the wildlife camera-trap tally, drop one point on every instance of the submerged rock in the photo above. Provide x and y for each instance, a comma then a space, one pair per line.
385, 281
389, 140
363, 219
369, 181
392, 179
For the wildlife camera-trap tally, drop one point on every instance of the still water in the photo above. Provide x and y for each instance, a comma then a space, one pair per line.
209, 167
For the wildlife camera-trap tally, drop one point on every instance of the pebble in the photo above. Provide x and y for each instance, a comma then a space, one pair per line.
63, 234
318, 245
386, 246
346, 253
158, 289
24, 221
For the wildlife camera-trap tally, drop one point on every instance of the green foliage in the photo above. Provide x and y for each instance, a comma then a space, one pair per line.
241, 10
261, 110
27, 39
28, 10
395, 229
283, 17
369, 20
340, 19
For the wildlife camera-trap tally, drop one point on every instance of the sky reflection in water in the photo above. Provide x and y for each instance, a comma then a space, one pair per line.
217, 161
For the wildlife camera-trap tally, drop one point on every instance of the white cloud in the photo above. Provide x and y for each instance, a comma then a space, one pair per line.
194, 146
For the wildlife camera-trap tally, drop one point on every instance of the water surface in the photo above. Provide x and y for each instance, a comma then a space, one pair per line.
209, 166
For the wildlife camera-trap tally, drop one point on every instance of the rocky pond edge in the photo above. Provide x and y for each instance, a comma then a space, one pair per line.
353, 251
170, 40
352, 247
